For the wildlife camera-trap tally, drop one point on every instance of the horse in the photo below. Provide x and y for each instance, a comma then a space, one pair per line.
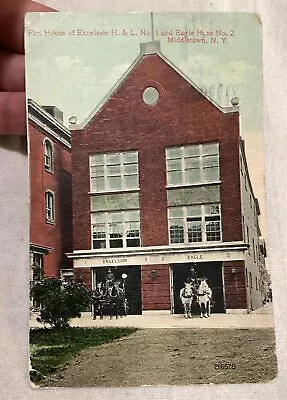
204, 294
116, 295
122, 300
186, 296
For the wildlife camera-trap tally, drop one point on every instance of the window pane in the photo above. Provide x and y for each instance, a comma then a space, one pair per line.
194, 232
115, 243
210, 161
97, 171
175, 177
211, 209
133, 233
211, 174
174, 152
177, 222
114, 170
192, 162
133, 242
131, 182
213, 231
174, 164
211, 148
113, 158
114, 182
99, 218
176, 233
48, 156
192, 175
176, 212
132, 216
190, 151
116, 230
115, 217
130, 157
130, 169
50, 210
212, 218
99, 244
98, 159
98, 184
193, 211
99, 235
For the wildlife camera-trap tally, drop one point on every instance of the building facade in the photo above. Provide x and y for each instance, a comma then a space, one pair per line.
158, 191
50, 192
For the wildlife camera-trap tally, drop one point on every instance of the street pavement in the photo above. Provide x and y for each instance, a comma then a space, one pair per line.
261, 318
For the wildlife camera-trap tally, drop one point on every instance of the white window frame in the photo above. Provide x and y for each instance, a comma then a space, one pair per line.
50, 207
106, 238
184, 166
37, 262
122, 173
248, 238
48, 155
201, 221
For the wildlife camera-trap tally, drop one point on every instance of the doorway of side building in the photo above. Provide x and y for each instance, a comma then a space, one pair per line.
211, 270
132, 284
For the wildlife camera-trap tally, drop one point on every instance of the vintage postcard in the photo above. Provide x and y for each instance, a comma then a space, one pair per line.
149, 264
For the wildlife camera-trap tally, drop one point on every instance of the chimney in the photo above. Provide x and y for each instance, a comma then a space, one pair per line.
150, 47
55, 112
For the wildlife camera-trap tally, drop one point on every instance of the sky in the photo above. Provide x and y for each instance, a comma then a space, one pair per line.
74, 59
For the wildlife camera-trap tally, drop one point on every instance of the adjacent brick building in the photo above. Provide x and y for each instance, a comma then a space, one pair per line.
51, 192
160, 183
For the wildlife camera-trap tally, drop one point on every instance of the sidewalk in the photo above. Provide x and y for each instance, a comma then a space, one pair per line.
261, 318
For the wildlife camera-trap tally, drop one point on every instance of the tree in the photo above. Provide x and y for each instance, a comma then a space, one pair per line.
60, 301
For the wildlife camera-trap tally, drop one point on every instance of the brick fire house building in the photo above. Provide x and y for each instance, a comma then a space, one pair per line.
50, 191
160, 185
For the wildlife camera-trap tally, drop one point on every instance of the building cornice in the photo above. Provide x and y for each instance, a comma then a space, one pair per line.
220, 246
48, 123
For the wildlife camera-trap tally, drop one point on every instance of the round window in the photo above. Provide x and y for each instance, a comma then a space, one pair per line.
150, 96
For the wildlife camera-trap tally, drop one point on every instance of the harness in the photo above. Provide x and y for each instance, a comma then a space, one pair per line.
187, 296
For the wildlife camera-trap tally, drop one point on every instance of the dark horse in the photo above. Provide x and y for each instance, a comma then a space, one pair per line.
109, 298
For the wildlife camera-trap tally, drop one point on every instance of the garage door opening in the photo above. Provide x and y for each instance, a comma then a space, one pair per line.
132, 286
212, 271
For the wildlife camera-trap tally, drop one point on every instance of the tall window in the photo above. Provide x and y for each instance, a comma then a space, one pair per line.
187, 165
248, 238
198, 223
50, 207
37, 267
254, 250
116, 229
114, 171
48, 156
246, 275
250, 280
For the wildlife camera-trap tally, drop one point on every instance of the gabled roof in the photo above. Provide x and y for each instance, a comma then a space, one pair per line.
149, 48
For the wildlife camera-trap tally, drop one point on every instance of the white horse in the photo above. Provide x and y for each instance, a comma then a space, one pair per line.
204, 294
186, 296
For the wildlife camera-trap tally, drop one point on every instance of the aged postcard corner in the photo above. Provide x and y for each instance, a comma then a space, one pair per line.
147, 200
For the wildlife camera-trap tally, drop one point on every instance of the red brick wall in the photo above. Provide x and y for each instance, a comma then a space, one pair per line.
230, 177
155, 291
125, 122
234, 284
84, 274
59, 235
